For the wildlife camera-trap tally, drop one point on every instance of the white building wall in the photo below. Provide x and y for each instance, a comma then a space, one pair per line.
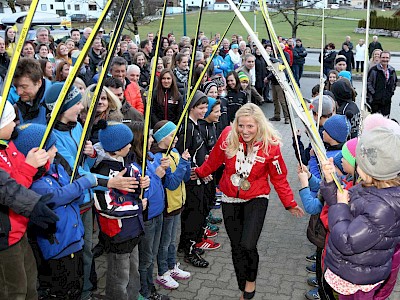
86, 7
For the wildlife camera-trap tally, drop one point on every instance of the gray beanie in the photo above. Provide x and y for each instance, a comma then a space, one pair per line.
377, 153
327, 105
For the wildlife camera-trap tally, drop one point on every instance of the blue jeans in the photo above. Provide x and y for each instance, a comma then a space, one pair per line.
123, 276
87, 221
148, 249
297, 72
166, 258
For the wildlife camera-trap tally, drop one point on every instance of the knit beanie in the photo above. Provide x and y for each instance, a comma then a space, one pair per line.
164, 131
338, 127
211, 104
197, 97
377, 120
219, 80
377, 153
30, 135
243, 76
345, 74
206, 86
342, 91
327, 105
72, 98
349, 151
234, 46
8, 115
115, 136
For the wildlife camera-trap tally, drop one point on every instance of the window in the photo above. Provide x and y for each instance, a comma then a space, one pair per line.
1, 7
77, 7
61, 12
51, 6
92, 7
59, 0
68, 6
43, 7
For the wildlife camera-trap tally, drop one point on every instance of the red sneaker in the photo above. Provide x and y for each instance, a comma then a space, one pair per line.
210, 234
208, 244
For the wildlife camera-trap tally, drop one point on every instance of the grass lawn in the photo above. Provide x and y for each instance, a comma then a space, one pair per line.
212, 22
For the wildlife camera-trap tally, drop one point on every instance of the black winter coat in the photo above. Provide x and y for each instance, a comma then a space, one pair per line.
299, 55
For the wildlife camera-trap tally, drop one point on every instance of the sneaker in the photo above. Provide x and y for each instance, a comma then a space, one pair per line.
208, 244
196, 260
312, 294
156, 296
213, 219
287, 121
312, 281
166, 281
179, 274
210, 234
274, 119
312, 269
199, 251
212, 227
312, 258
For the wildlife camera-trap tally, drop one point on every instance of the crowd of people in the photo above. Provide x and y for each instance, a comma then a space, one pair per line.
227, 152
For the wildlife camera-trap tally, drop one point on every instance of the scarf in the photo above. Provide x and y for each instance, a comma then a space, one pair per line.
181, 75
235, 57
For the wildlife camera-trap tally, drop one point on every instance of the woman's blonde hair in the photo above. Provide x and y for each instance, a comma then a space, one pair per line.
113, 112
266, 133
381, 184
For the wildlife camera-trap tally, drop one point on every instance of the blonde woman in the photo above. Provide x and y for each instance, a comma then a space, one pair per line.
250, 150
375, 58
108, 109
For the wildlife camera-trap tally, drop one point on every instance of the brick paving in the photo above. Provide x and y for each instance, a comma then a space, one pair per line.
283, 244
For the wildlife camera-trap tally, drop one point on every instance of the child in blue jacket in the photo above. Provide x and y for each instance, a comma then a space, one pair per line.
60, 272
120, 214
175, 197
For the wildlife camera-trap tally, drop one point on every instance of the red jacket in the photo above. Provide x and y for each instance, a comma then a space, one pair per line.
266, 166
290, 52
13, 162
134, 97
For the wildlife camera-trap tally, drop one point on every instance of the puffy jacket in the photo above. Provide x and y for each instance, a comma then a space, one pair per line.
69, 229
13, 225
363, 234
134, 97
267, 166
120, 213
299, 55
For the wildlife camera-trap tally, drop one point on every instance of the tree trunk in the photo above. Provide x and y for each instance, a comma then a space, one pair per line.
11, 4
295, 18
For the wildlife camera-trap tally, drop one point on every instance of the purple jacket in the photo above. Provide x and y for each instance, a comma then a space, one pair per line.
364, 234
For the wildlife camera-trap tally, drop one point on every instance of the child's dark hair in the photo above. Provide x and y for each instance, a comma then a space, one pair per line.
315, 90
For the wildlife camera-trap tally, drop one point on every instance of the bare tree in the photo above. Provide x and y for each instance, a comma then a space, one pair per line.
11, 5
295, 19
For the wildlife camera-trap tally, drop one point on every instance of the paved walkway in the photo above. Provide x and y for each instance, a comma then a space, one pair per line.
283, 246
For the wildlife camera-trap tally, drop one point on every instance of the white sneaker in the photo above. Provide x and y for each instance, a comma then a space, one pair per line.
179, 274
166, 281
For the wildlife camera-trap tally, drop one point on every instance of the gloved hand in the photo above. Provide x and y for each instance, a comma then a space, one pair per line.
92, 179
41, 215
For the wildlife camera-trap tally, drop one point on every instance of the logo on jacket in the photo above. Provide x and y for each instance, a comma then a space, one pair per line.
277, 166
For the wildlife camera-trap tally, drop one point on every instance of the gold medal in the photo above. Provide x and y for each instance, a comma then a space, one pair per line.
235, 179
245, 185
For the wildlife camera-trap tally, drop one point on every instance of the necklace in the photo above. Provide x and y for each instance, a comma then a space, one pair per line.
243, 165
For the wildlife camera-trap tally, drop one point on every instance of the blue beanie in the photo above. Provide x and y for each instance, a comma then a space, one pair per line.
30, 136
115, 136
338, 127
72, 98
234, 46
345, 74
211, 104
164, 131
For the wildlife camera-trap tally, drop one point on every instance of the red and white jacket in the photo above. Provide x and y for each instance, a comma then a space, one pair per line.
266, 166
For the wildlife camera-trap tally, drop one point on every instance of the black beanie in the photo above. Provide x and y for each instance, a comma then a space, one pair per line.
342, 91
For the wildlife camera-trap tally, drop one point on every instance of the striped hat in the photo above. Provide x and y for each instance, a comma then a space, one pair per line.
243, 76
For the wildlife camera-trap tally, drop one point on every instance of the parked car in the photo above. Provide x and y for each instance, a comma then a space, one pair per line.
78, 18
335, 6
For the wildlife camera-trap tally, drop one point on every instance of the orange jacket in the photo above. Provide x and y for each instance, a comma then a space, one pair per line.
133, 96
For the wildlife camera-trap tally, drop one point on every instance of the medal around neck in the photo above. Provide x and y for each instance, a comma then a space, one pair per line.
235, 179
245, 185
